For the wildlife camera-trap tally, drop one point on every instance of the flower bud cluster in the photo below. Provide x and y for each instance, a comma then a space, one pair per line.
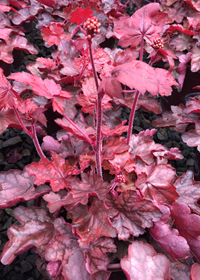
158, 43
92, 27
121, 179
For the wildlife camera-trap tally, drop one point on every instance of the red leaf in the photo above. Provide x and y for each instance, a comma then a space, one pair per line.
89, 185
146, 22
97, 258
194, 4
7, 119
92, 223
16, 186
195, 60
7, 95
165, 81
143, 147
142, 263
75, 268
47, 88
155, 183
192, 137
88, 99
193, 104
88, 130
177, 118
111, 87
113, 145
53, 33
57, 200
49, 3
62, 247
181, 69
134, 214
20, 43
80, 15
138, 75
118, 130
168, 238
55, 172
142, 77
178, 27
188, 190
35, 230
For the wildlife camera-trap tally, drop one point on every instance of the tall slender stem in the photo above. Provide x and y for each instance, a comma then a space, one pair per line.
92, 63
98, 136
130, 125
99, 114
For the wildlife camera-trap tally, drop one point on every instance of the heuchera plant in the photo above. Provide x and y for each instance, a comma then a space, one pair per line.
114, 188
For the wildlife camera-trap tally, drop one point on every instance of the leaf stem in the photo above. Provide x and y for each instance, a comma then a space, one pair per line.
20, 121
130, 125
83, 133
36, 142
31, 133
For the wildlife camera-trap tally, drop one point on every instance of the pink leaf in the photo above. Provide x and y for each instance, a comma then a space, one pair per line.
57, 200
113, 145
146, 22
192, 137
134, 214
188, 226
179, 271
97, 258
47, 88
138, 75
165, 81
16, 186
92, 223
55, 172
50, 3
7, 94
155, 183
53, 33
142, 77
35, 230
169, 239
142, 147
75, 268
195, 271
143, 263
112, 87
188, 190
89, 185
7, 119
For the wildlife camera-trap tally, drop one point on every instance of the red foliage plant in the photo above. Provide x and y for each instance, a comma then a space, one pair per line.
114, 189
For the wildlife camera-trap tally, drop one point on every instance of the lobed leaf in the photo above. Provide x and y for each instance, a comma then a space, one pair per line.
143, 263
16, 186
35, 230
134, 214
188, 226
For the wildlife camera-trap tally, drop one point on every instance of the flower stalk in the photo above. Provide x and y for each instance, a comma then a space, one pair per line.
132, 115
